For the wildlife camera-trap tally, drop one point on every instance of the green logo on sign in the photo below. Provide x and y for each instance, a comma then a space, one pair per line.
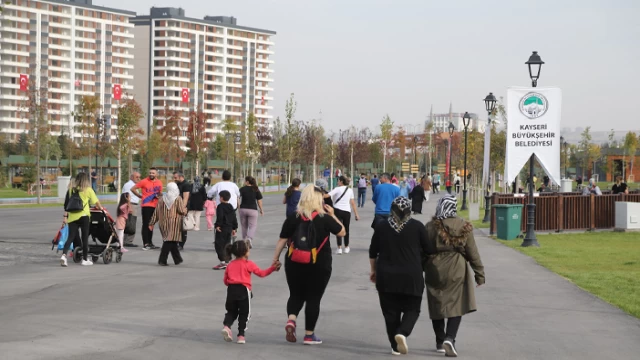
533, 105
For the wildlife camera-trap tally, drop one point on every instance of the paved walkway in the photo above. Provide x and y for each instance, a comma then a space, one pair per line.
137, 310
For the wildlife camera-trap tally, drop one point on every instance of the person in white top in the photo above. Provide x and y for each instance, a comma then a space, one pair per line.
134, 204
343, 201
225, 184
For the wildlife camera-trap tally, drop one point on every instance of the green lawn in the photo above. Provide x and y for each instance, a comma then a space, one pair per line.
478, 224
9, 193
606, 264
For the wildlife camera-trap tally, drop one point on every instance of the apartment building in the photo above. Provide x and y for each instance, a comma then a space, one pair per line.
212, 64
441, 121
71, 47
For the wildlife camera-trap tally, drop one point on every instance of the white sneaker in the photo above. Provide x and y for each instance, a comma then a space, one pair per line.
63, 261
347, 250
403, 348
339, 252
87, 262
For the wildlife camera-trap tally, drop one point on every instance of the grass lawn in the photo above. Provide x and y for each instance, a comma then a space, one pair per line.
478, 224
9, 193
606, 264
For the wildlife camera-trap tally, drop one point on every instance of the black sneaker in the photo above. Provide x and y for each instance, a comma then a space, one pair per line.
153, 247
450, 348
146, 247
440, 348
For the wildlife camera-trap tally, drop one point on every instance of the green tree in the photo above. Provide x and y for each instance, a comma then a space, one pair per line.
584, 147
229, 127
312, 140
386, 135
292, 134
196, 135
251, 143
155, 148
128, 134
87, 113
630, 146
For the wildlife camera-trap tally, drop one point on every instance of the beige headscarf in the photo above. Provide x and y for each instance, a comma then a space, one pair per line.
171, 195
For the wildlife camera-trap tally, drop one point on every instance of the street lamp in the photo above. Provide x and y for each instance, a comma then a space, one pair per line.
490, 105
448, 167
466, 120
100, 121
535, 65
330, 144
415, 150
236, 141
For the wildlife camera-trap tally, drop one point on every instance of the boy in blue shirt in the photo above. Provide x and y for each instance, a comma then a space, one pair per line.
383, 196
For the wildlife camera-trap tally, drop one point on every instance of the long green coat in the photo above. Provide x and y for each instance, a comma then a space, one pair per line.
450, 282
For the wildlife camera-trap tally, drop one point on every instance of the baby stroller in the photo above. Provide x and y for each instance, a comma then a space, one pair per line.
105, 240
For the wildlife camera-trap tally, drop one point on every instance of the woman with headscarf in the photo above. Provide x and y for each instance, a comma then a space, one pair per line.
397, 248
169, 213
450, 282
196, 202
404, 189
417, 196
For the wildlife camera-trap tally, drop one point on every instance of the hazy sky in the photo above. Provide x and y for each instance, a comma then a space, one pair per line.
357, 60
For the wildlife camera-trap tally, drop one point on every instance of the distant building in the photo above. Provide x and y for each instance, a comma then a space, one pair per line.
441, 121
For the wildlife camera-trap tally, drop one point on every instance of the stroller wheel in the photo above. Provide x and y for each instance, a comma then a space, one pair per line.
118, 257
77, 256
108, 255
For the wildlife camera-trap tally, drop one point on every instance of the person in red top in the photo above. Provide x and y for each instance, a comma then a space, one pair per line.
151, 189
237, 277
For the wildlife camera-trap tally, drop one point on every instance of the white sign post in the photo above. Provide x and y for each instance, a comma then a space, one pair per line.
533, 129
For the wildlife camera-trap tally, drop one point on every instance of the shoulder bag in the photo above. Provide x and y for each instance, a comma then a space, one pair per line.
341, 196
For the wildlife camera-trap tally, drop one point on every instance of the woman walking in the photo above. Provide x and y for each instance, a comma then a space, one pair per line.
395, 255
343, 201
307, 274
250, 201
404, 189
449, 281
417, 197
196, 202
169, 213
427, 186
79, 219
292, 196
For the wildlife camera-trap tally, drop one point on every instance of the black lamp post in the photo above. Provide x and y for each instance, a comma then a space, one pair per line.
535, 65
448, 174
563, 153
490, 105
415, 149
466, 120
236, 141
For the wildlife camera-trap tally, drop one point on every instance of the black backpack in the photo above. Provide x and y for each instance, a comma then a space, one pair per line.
303, 247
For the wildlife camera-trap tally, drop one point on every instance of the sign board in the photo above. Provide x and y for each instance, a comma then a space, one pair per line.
533, 129
414, 168
405, 166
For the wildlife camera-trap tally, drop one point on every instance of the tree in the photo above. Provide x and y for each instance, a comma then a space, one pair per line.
292, 134
128, 133
171, 132
87, 113
613, 143
229, 127
386, 134
51, 147
630, 146
155, 148
268, 151
251, 140
584, 147
196, 136
35, 107
312, 139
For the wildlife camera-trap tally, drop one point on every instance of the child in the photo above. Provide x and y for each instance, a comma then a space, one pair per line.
237, 277
226, 226
210, 212
124, 209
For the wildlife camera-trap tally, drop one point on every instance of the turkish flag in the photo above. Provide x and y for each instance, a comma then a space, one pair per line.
117, 91
24, 82
185, 95
78, 83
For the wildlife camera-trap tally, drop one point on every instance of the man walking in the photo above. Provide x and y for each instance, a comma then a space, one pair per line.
148, 190
436, 183
362, 190
225, 184
185, 190
135, 204
374, 182
383, 197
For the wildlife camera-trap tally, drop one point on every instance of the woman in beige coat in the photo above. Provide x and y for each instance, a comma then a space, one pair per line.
450, 282
170, 212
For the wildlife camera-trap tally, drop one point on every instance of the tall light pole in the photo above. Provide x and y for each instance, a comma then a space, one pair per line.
448, 167
466, 120
330, 143
535, 65
490, 105
566, 160
562, 153
236, 141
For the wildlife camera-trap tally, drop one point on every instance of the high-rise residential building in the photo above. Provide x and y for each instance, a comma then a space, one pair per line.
72, 48
213, 64
441, 121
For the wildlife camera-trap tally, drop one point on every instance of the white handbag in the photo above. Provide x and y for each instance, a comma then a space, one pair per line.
188, 223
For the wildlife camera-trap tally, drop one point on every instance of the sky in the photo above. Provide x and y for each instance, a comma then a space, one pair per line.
350, 62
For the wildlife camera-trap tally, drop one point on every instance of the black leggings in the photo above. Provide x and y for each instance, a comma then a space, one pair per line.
345, 219
307, 283
82, 224
147, 235
453, 324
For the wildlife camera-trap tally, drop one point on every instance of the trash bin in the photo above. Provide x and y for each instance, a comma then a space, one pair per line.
508, 220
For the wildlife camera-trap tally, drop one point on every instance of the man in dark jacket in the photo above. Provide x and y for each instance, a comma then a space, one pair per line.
226, 225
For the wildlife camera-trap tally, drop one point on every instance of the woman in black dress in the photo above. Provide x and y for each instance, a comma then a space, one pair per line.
417, 197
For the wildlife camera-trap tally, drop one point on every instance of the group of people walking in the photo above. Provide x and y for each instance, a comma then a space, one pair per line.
406, 257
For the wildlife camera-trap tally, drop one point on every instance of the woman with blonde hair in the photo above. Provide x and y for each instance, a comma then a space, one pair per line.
308, 260
169, 212
79, 217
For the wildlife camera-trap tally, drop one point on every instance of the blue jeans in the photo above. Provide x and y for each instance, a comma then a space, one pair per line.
94, 186
362, 195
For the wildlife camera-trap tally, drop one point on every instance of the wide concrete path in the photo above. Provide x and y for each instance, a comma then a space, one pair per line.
137, 310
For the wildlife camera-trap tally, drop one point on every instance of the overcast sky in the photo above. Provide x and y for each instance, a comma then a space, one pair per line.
357, 60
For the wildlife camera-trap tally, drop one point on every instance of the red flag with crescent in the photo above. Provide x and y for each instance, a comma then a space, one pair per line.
185, 95
24, 82
117, 91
